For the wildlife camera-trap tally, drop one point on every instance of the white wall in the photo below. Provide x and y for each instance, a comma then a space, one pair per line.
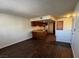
75, 36
43, 18
39, 18
13, 29
65, 34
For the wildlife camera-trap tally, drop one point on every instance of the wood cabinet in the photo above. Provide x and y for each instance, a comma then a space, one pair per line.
38, 23
39, 34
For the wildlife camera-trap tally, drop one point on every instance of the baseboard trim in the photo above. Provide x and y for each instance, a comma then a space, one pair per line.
73, 52
63, 44
26, 38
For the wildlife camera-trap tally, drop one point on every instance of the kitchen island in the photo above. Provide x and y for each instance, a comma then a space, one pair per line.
39, 34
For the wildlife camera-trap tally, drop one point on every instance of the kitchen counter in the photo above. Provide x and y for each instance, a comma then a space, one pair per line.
39, 34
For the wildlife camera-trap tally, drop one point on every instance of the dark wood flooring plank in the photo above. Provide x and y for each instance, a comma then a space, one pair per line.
37, 49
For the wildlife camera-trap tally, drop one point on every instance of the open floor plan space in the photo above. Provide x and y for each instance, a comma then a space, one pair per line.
39, 28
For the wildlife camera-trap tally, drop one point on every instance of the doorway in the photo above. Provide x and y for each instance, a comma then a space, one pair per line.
51, 27
54, 27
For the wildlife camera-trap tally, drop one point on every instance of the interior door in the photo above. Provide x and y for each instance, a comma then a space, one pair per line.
75, 30
75, 38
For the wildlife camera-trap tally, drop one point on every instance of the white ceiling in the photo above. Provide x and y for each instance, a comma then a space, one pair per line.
34, 8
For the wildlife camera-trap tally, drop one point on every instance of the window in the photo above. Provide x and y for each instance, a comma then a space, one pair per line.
59, 25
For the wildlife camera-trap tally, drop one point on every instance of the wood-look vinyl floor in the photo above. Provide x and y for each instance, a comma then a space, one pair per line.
33, 48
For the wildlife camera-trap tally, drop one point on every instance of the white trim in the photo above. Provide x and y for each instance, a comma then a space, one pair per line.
26, 38
73, 51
